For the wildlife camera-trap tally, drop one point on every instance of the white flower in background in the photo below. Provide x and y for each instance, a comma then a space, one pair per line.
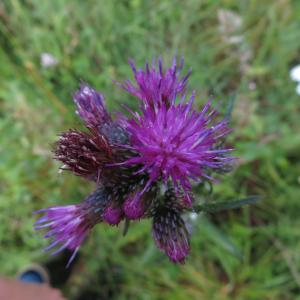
232, 33
193, 216
230, 24
295, 76
295, 73
48, 60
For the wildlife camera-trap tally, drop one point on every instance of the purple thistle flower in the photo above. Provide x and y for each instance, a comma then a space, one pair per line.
84, 153
69, 225
91, 106
167, 144
177, 143
92, 154
155, 86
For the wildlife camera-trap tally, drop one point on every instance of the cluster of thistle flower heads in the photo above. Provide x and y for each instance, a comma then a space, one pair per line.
144, 165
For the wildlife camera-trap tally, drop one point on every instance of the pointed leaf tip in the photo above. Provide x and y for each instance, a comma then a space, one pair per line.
216, 207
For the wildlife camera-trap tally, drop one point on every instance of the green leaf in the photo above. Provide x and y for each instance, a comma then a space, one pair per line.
216, 207
230, 106
126, 226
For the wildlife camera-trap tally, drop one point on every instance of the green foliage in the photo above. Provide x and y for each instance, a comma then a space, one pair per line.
241, 49
214, 207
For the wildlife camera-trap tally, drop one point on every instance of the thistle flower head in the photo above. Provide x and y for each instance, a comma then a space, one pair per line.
177, 143
144, 165
154, 85
69, 225
169, 230
83, 153
91, 106
92, 154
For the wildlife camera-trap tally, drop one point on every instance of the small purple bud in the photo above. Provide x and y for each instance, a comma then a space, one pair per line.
134, 207
170, 234
113, 214
91, 106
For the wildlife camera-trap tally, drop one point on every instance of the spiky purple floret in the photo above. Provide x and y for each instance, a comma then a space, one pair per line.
177, 142
69, 225
91, 106
154, 85
84, 153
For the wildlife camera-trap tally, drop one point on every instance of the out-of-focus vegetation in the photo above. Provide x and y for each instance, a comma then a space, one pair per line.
242, 49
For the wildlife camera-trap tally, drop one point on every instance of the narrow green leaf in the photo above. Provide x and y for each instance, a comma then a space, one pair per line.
126, 226
230, 107
216, 207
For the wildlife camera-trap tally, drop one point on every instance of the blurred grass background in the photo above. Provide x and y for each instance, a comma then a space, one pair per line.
242, 49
